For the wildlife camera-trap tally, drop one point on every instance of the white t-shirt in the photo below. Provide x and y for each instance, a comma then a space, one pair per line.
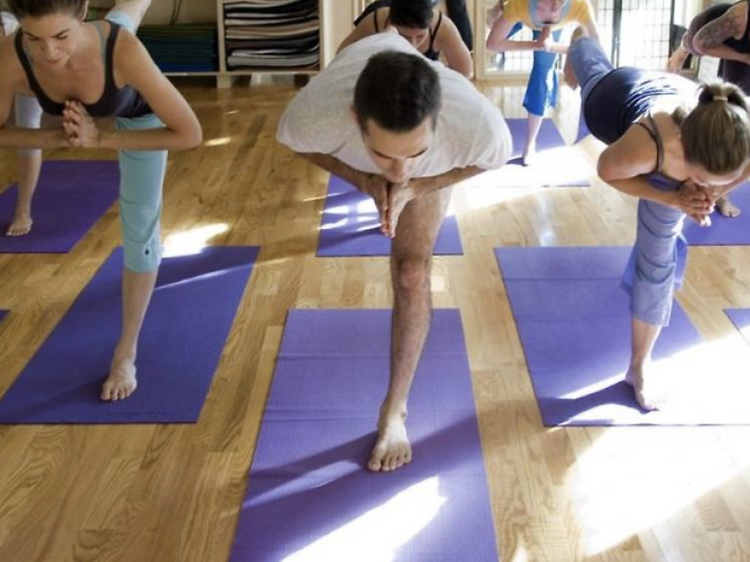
10, 23
470, 130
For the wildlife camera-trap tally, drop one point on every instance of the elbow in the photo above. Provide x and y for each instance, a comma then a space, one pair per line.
495, 45
191, 138
603, 170
698, 46
195, 138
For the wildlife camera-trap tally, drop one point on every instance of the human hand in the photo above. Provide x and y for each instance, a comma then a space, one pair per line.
376, 186
399, 195
675, 62
692, 198
80, 126
545, 41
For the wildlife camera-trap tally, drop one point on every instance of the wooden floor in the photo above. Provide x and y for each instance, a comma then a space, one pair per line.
167, 493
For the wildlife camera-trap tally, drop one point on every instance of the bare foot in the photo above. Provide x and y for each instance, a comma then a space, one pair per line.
121, 381
644, 393
528, 158
21, 225
392, 449
726, 208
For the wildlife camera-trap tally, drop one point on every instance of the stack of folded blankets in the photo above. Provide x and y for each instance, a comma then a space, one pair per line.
185, 47
279, 34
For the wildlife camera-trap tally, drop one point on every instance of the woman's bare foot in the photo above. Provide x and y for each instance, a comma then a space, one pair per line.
121, 382
529, 157
726, 208
392, 449
21, 224
645, 394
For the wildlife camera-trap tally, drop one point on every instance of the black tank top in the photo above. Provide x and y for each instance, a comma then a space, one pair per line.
716, 11
373, 8
115, 102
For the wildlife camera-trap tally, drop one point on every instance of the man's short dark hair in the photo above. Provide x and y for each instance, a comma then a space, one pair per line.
398, 91
411, 13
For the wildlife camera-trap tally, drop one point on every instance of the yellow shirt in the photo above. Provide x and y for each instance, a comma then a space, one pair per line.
579, 11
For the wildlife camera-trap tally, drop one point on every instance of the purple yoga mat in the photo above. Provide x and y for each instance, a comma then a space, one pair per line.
309, 497
3, 314
187, 323
561, 168
573, 319
724, 231
71, 196
351, 226
740, 317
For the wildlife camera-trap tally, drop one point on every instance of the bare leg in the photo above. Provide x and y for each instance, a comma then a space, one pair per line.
410, 272
726, 208
29, 166
137, 289
534, 123
644, 338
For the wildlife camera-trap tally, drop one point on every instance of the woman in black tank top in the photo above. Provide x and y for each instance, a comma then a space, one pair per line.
427, 29
83, 70
722, 31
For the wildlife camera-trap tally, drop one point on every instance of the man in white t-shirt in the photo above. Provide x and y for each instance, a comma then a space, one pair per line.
402, 129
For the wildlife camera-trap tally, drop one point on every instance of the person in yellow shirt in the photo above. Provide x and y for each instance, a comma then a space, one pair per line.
546, 18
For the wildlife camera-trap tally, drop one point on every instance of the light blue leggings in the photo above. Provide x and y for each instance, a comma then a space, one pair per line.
141, 182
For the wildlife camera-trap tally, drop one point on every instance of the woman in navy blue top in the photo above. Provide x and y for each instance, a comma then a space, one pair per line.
677, 147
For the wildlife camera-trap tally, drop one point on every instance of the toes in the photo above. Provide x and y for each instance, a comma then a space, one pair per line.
377, 463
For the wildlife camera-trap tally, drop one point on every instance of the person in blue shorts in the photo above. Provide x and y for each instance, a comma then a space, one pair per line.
546, 18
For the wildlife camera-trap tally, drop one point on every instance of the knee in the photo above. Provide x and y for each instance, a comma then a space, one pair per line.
578, 33
141, 236
411, 276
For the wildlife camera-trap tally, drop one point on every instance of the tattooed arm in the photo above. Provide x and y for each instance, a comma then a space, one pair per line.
709, 40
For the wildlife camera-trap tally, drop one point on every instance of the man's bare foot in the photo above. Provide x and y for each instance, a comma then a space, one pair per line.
21, 225
528, 158
645, 394
121, 381
392, 449
726, 208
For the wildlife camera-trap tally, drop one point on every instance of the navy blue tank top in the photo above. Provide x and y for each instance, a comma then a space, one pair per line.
373, 8
625, 94
115, 102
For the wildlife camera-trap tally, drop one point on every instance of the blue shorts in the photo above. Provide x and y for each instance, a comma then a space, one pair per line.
542, 89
